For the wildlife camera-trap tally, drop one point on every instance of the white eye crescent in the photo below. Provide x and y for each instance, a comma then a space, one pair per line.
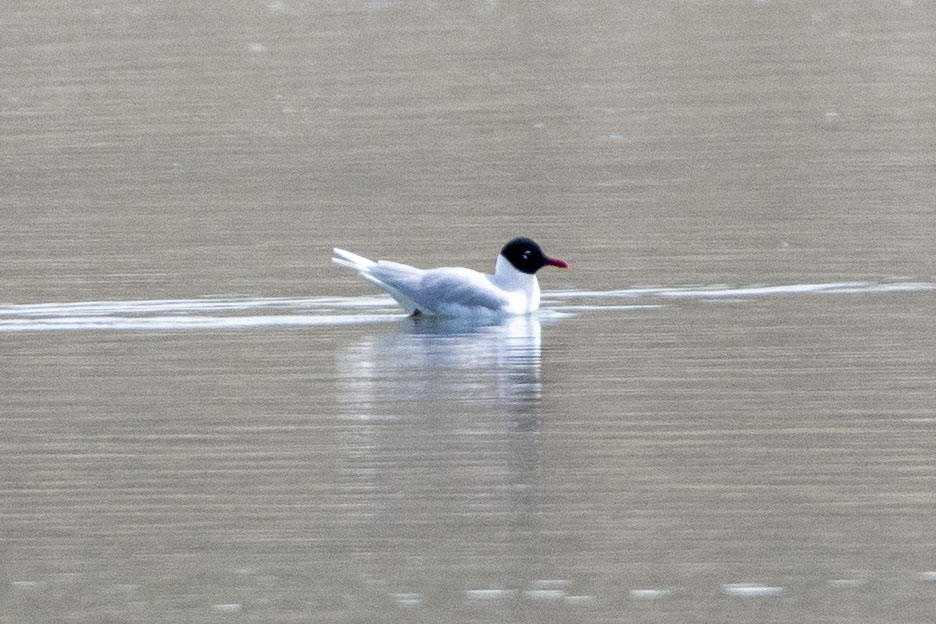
526, 254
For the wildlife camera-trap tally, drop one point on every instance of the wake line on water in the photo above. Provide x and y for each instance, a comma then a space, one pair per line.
219, 313
722, 291
210, 313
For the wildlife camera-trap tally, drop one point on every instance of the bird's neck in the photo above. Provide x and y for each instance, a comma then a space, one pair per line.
509, 278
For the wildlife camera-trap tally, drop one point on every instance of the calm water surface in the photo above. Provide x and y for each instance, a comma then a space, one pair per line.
726, 412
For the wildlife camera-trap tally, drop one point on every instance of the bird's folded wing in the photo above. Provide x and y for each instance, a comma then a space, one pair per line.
449, 287
401, 281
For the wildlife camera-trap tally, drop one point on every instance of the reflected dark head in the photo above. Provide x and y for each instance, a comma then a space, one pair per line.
526, 256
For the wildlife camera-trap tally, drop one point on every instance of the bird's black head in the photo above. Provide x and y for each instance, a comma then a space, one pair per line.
526, 256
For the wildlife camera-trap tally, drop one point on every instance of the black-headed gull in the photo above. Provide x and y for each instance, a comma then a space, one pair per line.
456, 291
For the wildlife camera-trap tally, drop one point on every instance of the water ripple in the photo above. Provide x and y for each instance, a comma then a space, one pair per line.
214, 313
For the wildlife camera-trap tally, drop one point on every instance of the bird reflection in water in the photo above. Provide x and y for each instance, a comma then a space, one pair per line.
433, 361
442, 425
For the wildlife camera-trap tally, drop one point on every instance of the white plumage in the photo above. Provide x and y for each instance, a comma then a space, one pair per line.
457, 291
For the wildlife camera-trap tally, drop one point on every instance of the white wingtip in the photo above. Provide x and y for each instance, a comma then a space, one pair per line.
345, 258
364, 267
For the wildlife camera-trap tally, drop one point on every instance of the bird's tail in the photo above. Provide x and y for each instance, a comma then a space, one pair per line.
345, 258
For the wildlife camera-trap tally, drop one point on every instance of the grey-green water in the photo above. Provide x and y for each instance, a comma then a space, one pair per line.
724, 413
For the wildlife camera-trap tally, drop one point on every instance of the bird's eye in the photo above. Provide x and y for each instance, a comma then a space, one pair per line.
526, 254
